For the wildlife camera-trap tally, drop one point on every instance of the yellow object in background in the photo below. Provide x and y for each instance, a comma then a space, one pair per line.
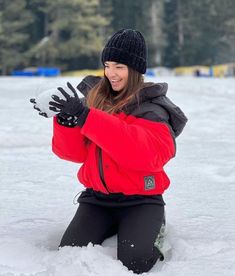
86, 72
224, 70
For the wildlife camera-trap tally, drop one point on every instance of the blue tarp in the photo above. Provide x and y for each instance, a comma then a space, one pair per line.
40, 71
150, 73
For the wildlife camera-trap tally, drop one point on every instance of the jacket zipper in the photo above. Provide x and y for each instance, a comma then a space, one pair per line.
100, 166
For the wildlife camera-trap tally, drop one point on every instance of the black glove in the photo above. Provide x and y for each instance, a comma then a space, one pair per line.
72, 107
66, 120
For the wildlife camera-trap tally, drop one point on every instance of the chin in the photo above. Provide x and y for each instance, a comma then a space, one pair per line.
116, 89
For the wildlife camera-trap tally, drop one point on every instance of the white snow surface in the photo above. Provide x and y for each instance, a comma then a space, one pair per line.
37, 188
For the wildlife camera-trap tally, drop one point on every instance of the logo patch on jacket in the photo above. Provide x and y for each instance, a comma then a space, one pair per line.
149, 182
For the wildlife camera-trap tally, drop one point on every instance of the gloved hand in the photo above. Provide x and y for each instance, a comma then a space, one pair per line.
66, 120
41, 103
71, 106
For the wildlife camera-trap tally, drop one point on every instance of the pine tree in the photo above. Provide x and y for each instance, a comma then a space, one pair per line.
144, 16
153, 31
199, 32
15, 20
72, 29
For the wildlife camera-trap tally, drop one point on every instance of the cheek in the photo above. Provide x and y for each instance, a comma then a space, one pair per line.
106, 73
126, 79
125, 76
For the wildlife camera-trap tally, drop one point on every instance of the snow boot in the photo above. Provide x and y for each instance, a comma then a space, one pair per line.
161, 243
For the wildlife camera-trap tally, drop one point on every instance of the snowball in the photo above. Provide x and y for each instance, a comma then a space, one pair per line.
43, 99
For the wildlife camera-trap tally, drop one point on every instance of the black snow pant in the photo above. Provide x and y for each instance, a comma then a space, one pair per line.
136, 227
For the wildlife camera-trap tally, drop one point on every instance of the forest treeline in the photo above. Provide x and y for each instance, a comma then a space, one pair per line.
70, 34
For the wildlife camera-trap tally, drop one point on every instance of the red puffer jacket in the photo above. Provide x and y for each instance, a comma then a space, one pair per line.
126, 154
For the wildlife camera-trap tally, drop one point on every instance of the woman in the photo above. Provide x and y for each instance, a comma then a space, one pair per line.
123, 132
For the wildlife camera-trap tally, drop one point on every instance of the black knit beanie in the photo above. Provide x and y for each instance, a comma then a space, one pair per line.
128, 47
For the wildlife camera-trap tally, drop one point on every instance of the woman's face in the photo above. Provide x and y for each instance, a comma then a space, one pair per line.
117, 74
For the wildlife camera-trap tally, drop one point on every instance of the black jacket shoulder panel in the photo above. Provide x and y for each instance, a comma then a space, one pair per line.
87, 84
152, 112
177, 118
152, 90
161, 109
155, 113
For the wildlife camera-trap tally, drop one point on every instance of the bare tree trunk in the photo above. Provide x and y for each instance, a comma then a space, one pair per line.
180, 32
43, 59
157, 37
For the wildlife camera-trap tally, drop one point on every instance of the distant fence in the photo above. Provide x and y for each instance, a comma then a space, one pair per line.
220, 70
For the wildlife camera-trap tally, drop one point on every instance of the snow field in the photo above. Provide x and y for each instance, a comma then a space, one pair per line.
37, 188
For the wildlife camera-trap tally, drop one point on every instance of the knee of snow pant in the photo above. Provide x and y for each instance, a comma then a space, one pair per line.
136, 259
91, 224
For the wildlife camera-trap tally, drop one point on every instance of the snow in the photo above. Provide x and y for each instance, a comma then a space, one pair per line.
37, 188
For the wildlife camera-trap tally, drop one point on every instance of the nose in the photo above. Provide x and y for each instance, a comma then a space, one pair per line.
111, 72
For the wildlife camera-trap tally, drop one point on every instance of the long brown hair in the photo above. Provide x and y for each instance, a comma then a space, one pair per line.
104, 98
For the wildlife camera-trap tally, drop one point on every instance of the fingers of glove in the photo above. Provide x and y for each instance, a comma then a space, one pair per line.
43, 114
35, 107
58, 100
64, 93
33, 100
57, 105
54, 109
72, 89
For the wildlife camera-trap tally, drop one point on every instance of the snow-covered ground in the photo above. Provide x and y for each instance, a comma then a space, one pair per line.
37, 188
